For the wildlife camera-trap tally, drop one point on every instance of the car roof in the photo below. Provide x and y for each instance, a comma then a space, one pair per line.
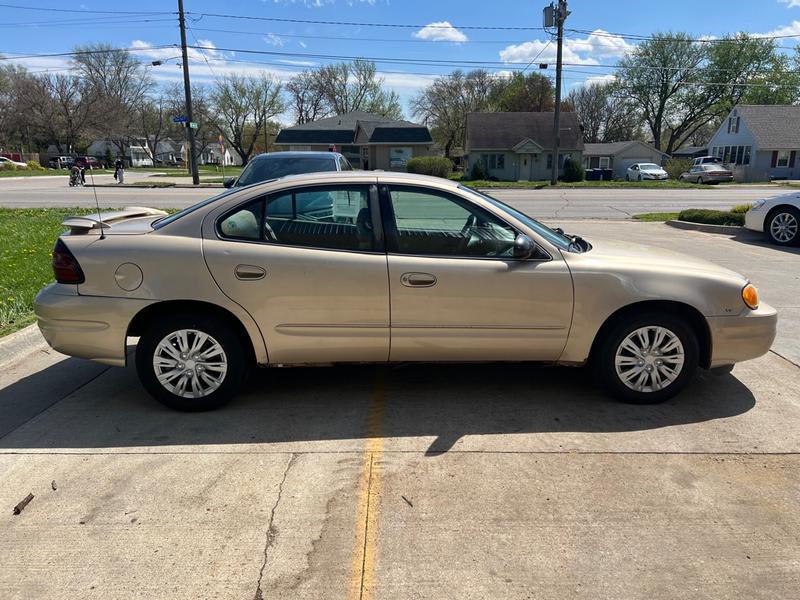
295, 154
365, 176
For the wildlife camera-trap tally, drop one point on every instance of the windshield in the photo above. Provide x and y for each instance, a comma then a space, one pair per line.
557, 239
158, 224
272, 167
649, 167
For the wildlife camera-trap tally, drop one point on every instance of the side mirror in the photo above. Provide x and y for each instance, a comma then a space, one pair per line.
524, 246
228, 182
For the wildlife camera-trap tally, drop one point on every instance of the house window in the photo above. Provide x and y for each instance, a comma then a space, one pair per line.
783, 158
605, 162
494, 161
733, 125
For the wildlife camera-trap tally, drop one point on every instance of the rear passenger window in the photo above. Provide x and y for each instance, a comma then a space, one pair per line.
332, 217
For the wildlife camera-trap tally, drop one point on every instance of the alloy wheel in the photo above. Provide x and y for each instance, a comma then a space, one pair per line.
190, 363
649, 359
783, 227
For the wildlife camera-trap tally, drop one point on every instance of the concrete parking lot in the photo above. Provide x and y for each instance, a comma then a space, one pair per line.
413, 481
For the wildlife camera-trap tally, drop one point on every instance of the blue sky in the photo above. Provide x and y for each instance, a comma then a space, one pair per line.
449, 39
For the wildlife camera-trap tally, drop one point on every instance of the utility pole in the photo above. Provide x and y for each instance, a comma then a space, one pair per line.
556, 14
187, 87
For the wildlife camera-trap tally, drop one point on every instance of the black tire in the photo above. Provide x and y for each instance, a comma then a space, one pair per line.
627, 177
776, 213
604, 359
235, 355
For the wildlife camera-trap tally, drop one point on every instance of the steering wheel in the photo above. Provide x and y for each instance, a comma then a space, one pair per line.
466, 234
471, 220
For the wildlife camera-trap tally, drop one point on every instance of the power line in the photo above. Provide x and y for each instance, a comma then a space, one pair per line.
650, 38
72, 22
84, 52
72, 10
357, 24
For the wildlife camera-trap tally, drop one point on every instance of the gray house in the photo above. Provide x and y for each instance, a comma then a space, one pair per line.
618, 156
760, 142
368, 141
518, 146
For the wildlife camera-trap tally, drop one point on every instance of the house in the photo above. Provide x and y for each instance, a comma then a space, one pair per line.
760, 142
213, 154
618, 156
690, 152
368, 141
137, 153
518, 146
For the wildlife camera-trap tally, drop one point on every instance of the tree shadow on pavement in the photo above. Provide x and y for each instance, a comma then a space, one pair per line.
341, 403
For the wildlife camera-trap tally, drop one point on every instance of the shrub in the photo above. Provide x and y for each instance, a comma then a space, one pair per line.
711, 217
35, 166
675, 167
437, 166
740, 209
8, 166
573, 171
478, 171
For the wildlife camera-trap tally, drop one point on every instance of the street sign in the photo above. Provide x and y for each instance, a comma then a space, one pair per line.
193, 125
180, 119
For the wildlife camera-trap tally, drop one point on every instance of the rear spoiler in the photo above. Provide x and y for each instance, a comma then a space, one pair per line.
87, 223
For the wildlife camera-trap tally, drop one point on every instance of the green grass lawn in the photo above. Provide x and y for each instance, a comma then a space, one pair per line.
657, 216
27, 237
669, 184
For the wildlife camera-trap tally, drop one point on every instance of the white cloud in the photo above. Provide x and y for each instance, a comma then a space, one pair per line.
274, 40
586, 51
441, 31
607, 78
790, 3
792, 29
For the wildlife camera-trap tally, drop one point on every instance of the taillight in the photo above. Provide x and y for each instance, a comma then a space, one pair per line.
65, 267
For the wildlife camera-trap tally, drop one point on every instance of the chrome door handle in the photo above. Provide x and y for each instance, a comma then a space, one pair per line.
249, 272
418, 279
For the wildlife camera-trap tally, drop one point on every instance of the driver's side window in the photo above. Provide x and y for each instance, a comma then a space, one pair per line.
434, 223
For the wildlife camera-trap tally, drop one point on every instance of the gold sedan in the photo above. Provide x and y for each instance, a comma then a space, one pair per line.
380, 267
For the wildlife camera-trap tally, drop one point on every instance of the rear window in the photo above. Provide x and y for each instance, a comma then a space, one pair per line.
272, 168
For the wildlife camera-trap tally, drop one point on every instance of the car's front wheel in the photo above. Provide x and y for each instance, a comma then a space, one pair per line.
783, 226
648, 358
190, 362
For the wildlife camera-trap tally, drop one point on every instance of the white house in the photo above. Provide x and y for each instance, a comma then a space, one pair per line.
760, 142
212, 155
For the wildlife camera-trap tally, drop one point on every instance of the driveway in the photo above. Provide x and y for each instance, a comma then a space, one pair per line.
412, 481
601, 203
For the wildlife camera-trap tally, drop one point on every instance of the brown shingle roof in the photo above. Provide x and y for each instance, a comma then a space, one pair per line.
500, 131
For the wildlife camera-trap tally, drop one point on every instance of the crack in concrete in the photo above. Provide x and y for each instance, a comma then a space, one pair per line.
624, 212
563, 195
272, 531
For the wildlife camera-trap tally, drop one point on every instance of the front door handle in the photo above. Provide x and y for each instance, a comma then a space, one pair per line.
249, 272
418, 279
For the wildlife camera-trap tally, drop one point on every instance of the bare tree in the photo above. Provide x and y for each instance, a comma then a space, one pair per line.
444, 105
119, 84
242, 108
347, 87
605, 115
307, 98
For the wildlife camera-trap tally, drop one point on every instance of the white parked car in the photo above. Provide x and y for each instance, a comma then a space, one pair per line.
778, 218
645, 172
8, 161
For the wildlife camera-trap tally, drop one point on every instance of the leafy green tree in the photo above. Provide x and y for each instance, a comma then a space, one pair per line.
523, 93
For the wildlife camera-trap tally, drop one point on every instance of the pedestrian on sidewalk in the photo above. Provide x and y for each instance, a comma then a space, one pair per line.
119, 170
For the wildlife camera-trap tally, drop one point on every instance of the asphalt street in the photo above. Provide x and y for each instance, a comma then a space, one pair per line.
413, 481
544, 203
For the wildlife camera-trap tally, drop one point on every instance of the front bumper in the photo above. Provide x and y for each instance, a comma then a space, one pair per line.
89, 327
744, 337
754, 219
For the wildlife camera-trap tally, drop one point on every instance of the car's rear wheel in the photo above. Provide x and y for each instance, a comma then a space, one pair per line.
783, 226
190, 362
648, 358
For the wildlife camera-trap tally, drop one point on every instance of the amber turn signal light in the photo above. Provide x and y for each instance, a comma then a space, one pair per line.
750, 296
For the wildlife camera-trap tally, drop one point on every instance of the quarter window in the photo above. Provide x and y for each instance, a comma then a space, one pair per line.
436, 224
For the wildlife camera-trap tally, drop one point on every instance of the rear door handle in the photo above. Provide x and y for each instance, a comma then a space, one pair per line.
418, 279
249, 272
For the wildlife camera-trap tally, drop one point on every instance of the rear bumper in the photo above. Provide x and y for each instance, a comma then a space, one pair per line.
88, 327
744, 337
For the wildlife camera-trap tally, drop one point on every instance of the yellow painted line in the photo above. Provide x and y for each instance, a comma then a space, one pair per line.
362, 571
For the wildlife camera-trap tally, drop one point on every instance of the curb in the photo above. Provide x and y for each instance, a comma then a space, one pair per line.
19, 344
706, 228
156, 187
